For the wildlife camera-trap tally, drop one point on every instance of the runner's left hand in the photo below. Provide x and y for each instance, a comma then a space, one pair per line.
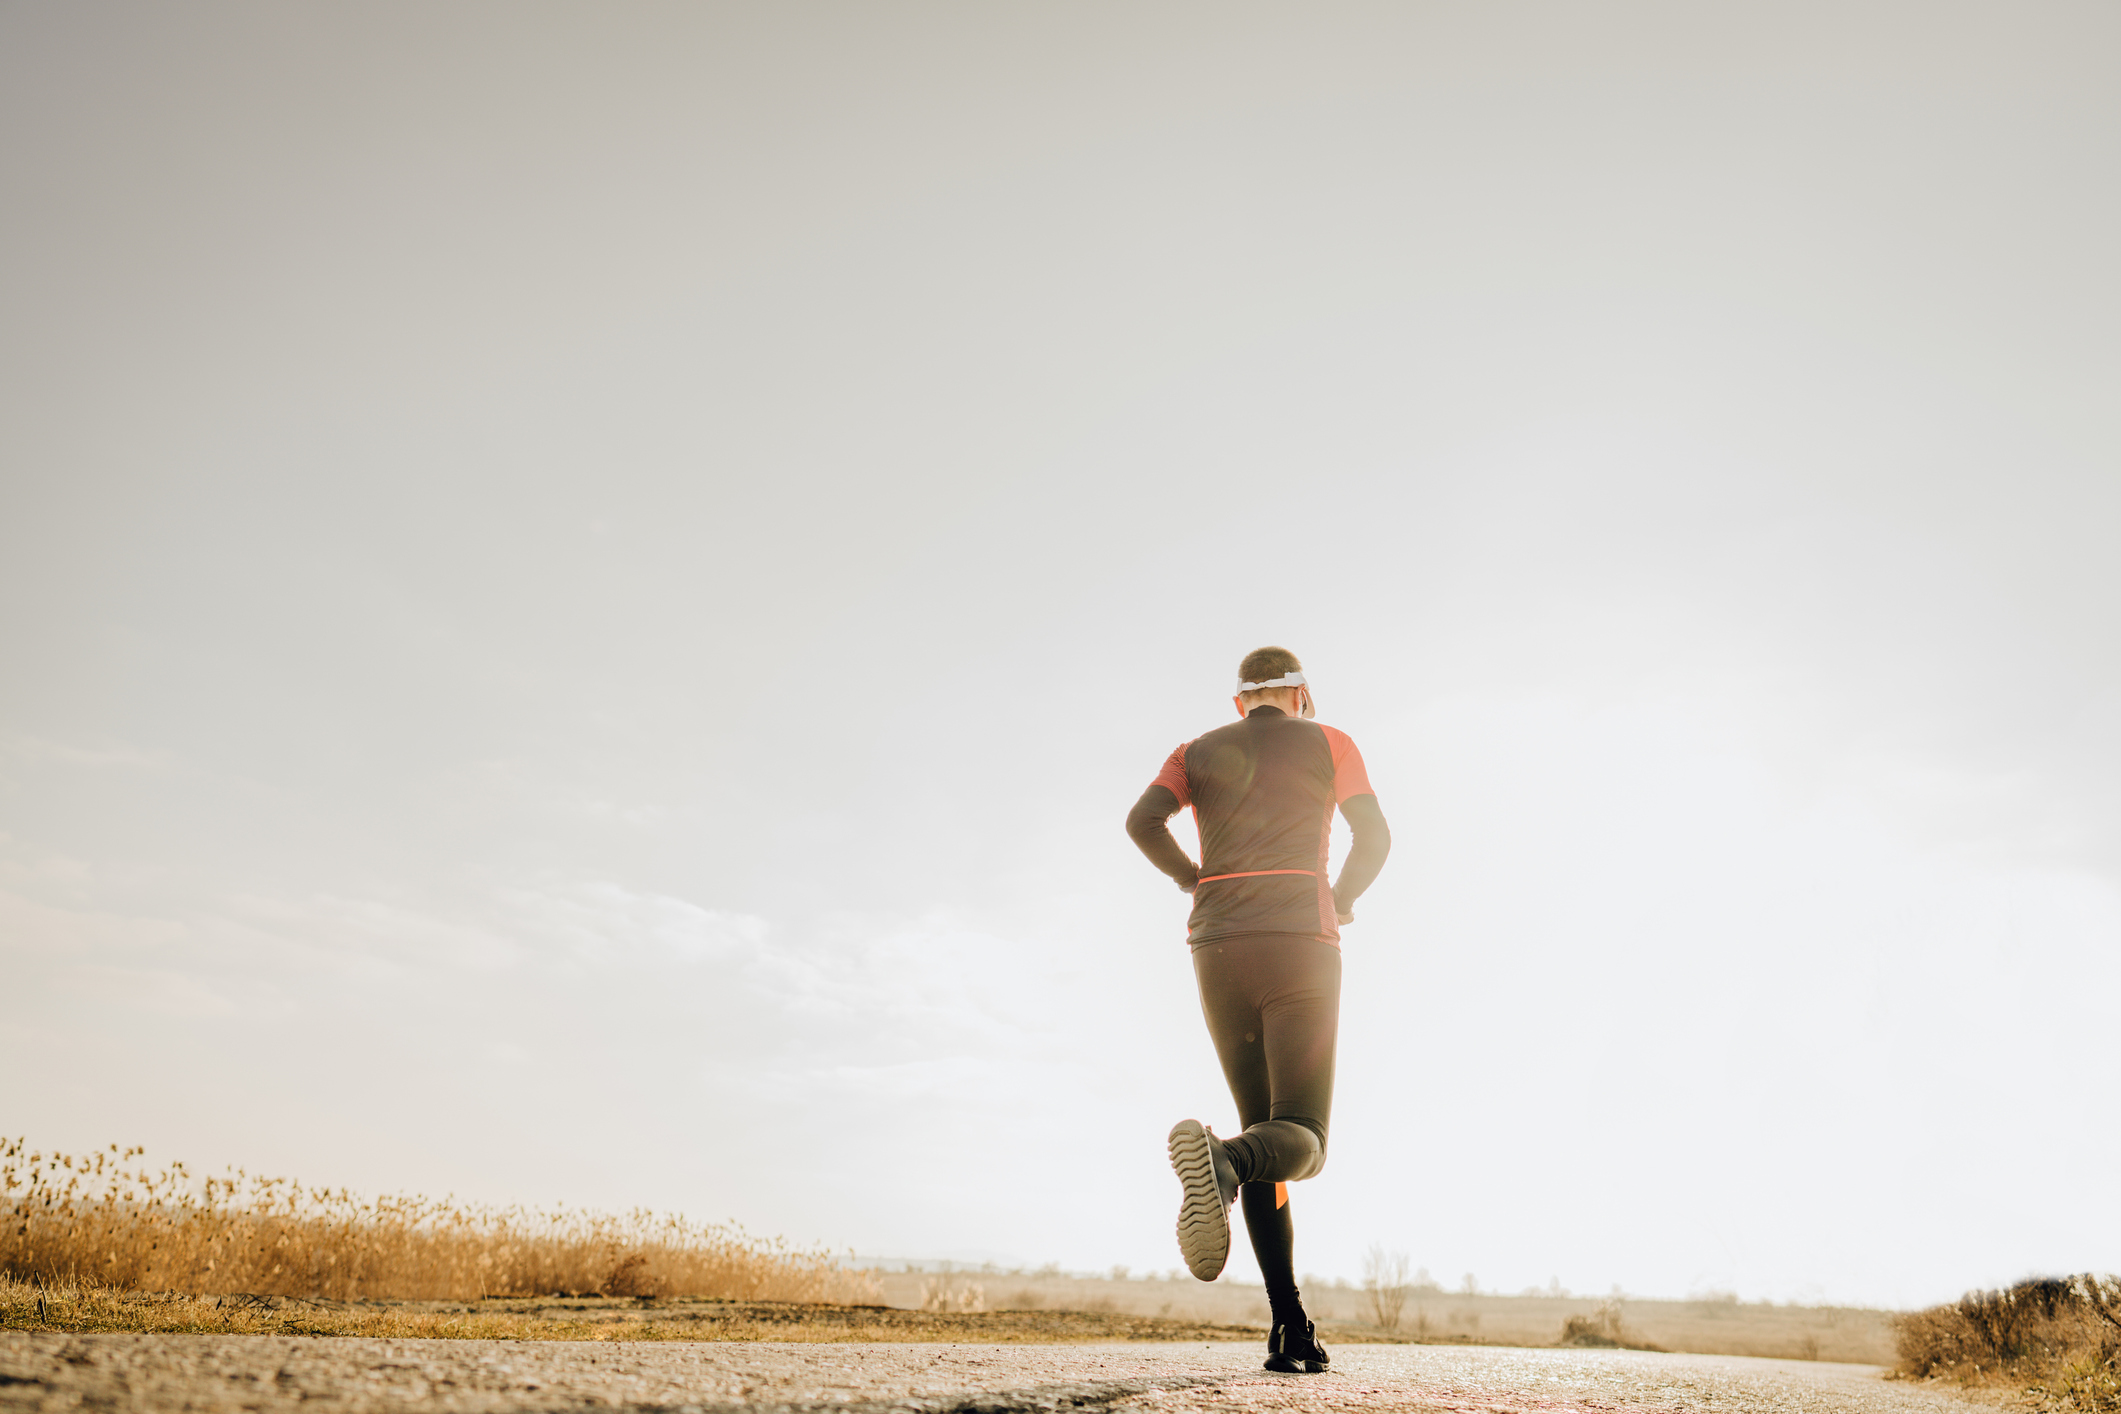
1345, 917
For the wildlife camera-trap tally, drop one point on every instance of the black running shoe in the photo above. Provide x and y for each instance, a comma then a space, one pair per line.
1210, 1182
1296, 1352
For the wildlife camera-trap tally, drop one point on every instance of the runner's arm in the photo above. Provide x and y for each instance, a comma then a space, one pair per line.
1147, 828
1366, 855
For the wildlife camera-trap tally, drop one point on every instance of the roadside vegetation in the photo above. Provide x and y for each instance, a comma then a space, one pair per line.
2056, 1339
106, 1222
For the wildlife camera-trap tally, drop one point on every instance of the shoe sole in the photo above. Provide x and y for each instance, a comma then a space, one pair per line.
1283, 1365
1203, 1221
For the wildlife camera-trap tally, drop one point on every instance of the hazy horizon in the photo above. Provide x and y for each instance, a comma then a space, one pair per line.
584, 593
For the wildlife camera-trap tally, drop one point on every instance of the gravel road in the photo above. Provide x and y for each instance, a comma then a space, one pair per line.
49, 1372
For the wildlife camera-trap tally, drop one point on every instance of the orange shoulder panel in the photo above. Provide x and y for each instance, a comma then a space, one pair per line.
1173, 776
1350, 777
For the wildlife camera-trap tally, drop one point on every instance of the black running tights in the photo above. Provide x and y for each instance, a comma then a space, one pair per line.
1272, 1002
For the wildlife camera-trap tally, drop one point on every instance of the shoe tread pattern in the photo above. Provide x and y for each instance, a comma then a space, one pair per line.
1203, 1221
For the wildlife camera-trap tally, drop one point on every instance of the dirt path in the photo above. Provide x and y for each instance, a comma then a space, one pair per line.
50, 1372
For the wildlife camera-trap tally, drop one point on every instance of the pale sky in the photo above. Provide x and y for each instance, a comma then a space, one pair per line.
584, 591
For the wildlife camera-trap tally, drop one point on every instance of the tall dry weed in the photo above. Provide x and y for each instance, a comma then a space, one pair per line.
2057, 1337
106, 1220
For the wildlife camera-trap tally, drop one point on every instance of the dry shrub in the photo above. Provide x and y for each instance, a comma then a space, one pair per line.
1603, 1329
2059, 1338
102, 1220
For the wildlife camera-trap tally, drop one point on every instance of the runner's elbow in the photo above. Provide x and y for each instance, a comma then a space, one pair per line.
1146, 820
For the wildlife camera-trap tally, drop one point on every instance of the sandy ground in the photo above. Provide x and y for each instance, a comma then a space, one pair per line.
52, 1371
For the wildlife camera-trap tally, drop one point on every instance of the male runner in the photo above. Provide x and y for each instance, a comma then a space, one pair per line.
1266, 950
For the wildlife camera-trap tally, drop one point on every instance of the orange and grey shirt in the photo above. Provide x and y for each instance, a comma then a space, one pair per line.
1263, 792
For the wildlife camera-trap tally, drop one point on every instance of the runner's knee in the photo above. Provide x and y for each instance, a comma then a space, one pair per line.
1315, 1133
1280, 1150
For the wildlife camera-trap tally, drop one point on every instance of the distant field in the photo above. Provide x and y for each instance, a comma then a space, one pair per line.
1712, 1327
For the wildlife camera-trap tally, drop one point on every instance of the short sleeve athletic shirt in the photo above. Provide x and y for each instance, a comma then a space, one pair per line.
1263, 792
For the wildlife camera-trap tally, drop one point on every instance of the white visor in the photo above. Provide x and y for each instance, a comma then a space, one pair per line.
1286, 680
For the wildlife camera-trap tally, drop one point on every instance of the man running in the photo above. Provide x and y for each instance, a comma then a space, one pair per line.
1266, 950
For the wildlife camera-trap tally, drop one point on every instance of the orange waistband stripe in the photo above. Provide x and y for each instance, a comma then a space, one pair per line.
1254, 874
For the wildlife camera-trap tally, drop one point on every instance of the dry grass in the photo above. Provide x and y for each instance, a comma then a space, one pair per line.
103, 1222
945, 1294
2058, 1339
